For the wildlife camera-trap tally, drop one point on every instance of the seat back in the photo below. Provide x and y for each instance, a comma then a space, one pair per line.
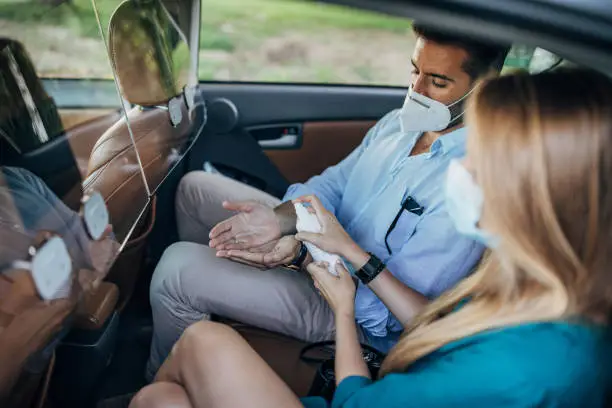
131, 159
152, 66
30, 327
281, 353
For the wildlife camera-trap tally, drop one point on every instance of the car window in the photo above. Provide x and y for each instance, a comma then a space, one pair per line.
531, 59
63, 63
310, 42
292, 41
302, 42
62, 37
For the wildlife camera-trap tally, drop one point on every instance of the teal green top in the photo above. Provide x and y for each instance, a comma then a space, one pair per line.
530, 365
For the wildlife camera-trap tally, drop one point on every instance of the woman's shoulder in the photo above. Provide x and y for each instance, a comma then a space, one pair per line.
540, 336
539, 364
534, 343
534, 360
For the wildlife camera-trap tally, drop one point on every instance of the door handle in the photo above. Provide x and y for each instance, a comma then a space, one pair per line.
283, 142
278, 136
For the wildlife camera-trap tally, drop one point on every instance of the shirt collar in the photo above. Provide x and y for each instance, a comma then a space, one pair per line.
450, 141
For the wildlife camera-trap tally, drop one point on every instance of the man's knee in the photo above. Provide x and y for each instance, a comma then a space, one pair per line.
197, 187
198, 203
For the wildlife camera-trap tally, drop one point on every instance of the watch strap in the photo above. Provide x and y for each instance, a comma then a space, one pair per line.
301, 256
370, 270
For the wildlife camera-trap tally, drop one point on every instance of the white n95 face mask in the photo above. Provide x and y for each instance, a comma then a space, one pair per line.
464, 201
422, 114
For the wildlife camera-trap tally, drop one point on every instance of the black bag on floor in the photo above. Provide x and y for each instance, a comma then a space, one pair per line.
324, 383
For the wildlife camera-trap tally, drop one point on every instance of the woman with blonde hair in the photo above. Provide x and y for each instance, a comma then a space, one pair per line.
529, 328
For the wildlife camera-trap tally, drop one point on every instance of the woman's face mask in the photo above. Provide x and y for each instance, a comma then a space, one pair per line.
464, 200
422, 114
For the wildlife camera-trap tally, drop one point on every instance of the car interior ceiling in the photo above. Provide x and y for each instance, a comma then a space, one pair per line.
135, 159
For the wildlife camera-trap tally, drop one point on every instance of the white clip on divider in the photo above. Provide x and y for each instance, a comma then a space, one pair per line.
95, 215
51, 269
174, 109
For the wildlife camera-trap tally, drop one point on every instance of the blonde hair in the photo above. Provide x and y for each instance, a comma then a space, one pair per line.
541, 148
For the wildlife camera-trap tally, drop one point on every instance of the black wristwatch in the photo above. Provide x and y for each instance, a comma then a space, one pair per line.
370, 270
300, 258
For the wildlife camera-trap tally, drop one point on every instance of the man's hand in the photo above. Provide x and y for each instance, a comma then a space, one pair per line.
255, 225
283, 252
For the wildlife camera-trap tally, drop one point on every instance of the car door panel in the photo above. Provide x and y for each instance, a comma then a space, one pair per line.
323, 144
276, 134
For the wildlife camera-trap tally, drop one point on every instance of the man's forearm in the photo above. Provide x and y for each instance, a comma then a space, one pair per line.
403, 302
287, 218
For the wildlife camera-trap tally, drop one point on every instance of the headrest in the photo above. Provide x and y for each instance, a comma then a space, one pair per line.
149, 57
28, 115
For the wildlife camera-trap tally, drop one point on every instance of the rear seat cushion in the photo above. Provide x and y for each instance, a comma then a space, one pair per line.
282, 353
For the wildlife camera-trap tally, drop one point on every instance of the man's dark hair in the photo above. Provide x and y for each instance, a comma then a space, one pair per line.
482, 57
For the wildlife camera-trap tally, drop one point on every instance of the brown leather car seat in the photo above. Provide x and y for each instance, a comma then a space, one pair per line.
157, 126
282, 353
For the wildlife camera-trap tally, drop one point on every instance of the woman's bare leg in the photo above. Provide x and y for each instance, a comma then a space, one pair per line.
218, 368
161, 395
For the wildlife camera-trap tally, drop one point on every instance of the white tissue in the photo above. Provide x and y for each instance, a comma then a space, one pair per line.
308, 222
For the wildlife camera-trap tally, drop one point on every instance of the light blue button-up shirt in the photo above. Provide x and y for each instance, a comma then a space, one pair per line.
366, 190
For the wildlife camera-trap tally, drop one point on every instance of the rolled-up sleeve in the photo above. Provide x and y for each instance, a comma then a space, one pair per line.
329, 186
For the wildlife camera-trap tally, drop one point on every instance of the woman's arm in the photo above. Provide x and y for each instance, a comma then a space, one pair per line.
339, 291
403, 302
349, 361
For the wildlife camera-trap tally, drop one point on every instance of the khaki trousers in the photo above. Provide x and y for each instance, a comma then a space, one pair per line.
190, 283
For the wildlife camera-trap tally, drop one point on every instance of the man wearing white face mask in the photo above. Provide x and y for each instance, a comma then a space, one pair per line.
387, 195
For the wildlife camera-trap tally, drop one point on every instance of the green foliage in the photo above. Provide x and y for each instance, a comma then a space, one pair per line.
253, 40
78, 14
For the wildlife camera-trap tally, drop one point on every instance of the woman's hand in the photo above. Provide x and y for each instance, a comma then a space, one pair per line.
339, 291
333, 238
